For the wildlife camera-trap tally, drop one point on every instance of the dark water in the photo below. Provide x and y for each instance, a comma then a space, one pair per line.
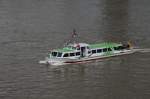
29, 28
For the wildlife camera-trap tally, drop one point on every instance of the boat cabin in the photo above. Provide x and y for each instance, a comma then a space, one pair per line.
79, 50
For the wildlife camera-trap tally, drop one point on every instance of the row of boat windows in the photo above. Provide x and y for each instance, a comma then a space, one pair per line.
71, 54
100, 50
106, 49
58, 54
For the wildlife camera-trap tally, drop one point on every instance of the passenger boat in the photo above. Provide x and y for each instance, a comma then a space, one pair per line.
83, 52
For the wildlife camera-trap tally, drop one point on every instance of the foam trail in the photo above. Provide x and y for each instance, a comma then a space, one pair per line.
144, 50
43, 62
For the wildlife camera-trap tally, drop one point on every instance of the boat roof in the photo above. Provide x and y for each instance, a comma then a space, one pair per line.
65, 49
104, 45
92, 46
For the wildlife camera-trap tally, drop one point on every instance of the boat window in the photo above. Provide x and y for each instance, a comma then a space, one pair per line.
66, 55
105, 50
77, 53
89, 52
78, 48
72, 54
121, 47
109, 49
99, 50
59, 54
118, 48
93, 51
54, 54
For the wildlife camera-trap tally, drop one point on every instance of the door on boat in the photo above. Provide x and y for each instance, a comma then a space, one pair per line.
83, 51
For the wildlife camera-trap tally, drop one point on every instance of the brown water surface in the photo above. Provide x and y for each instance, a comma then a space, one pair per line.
29, 28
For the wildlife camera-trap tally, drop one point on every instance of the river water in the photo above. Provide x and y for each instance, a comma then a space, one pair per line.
29, 28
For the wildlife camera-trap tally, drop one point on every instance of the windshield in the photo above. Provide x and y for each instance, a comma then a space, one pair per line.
54, 54
59, 54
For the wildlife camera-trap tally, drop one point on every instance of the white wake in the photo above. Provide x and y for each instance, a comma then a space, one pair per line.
142, 50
